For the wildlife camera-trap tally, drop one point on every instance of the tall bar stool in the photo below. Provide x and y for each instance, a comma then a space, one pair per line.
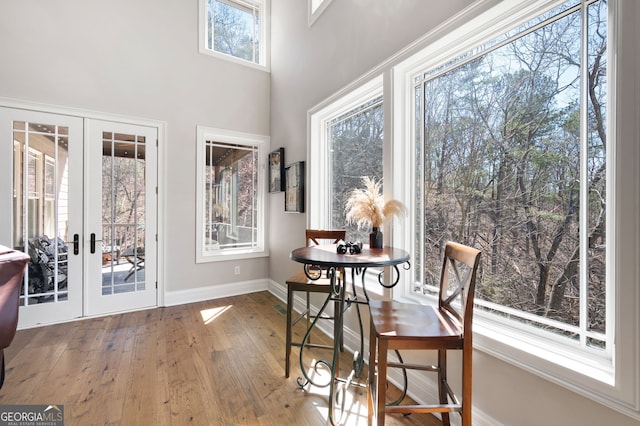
402, 326
300, 282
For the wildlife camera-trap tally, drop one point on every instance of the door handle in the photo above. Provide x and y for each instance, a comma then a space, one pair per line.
93, 242
76, 244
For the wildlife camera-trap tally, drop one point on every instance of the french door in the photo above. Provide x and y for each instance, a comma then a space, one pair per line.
120, 193
42, 209
81, 202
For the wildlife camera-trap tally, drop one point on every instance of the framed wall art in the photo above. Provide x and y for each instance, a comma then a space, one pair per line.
294, 188
276, 170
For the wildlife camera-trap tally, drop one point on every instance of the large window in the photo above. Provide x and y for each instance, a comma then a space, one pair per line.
348, 140
512, 159
354, 147
515, 151
235, 29
231, 184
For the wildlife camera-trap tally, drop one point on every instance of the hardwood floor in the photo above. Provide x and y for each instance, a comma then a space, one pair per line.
218, 362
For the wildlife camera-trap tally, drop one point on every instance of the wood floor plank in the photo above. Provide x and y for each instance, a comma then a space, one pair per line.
217, 362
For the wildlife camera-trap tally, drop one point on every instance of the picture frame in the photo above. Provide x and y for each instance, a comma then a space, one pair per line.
276, 170
294, 188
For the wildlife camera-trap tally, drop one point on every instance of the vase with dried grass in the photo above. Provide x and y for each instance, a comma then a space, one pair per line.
367, 208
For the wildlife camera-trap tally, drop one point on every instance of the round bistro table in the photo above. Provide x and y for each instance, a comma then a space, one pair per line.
317, 259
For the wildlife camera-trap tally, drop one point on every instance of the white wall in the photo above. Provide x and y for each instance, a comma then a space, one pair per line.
311, 64
139, 58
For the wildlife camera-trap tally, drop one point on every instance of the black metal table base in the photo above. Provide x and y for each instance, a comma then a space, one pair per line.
338, 386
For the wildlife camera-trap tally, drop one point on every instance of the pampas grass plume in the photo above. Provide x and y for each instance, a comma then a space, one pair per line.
367, 207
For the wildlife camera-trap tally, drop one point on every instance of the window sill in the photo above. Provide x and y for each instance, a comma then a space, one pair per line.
371, 285
589, 376
556, 361
225, 255
235, 60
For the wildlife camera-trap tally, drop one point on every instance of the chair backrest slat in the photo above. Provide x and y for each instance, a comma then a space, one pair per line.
460, 265
322, 236
316, 237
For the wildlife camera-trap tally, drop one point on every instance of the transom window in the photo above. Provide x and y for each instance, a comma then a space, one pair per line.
235, 29
316, 7
315, 4
230, 195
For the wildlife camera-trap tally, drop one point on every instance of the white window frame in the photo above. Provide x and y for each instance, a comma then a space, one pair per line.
264, 7
366, 89
261, 142
611, 379
318, 150
316, 7
38, 181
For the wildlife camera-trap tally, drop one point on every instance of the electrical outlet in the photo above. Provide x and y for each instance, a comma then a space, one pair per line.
236, 270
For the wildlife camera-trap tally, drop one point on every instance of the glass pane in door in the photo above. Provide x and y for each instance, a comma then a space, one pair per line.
123, 213
40, 209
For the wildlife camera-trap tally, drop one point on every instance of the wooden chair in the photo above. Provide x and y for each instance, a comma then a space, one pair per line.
301, 282
401, 326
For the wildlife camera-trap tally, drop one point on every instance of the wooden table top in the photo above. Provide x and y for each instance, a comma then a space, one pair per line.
327, 255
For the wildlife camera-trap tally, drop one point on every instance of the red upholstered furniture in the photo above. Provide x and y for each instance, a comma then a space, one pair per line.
12, 266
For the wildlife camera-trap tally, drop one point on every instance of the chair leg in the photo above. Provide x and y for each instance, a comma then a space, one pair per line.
442, 380
381, 381
288, 343
466, 386
372, 373
337, 334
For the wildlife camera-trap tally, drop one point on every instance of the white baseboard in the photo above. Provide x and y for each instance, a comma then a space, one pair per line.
199, 294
